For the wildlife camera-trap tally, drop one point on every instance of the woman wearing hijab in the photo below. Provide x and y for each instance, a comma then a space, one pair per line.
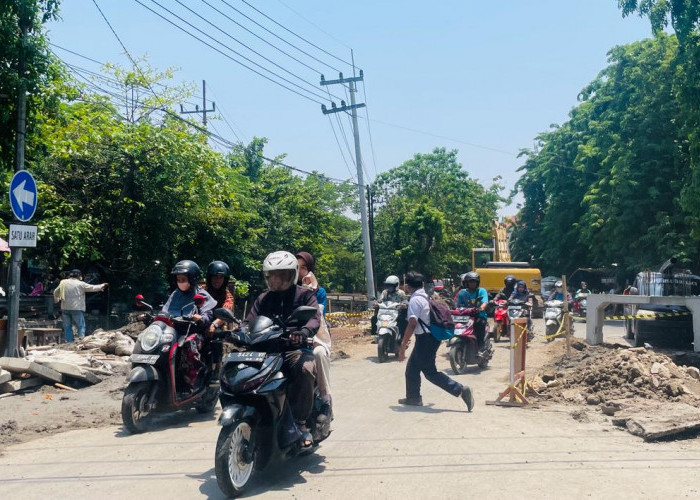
322, 339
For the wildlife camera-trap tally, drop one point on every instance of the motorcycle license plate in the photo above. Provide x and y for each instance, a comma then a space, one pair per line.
515, 308
149, 359
460, 319
247, 356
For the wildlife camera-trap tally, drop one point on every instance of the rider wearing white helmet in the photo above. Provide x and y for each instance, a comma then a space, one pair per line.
391, 293
281, 270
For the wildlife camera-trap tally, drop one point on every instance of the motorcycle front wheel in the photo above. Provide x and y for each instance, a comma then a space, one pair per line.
551, 330
457, 361
235, 458
383, 348
500, 331
135, 416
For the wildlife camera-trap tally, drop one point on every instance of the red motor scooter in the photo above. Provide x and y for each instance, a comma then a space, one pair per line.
464, 346
501, 321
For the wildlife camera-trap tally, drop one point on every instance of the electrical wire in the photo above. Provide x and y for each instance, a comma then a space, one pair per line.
223, 116
232, 58
261, 38
237, 41
277, 36
369, 130
340, 148
315, 25
298, 36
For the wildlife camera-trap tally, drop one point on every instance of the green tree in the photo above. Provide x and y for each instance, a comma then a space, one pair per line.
431, 214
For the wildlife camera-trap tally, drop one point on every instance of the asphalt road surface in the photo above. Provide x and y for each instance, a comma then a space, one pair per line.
378, 450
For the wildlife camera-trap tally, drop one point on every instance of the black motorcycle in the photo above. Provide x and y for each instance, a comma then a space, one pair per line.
256, 418
156, 382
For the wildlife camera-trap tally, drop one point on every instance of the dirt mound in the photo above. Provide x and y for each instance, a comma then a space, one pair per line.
598, 374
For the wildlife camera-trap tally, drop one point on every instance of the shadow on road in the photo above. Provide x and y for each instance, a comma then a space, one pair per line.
276, 477
428, 408
164, 421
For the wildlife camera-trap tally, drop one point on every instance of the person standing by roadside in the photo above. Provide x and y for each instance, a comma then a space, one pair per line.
422, 358
70, 292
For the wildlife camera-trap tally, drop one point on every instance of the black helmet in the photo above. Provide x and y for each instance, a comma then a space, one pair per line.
218, 268
510, 281
189, 268
471, 276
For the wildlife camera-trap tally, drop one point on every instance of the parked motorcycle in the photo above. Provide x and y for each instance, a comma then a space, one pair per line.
501, 322
256, 417
553, 314
388, 335
156, 381
518, 308
464, 346
581, 304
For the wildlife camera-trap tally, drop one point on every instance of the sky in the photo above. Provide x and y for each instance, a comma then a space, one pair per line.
484, 78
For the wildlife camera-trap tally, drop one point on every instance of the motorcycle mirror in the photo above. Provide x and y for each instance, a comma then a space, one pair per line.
199, 300
224, 315
301, 314
141, 303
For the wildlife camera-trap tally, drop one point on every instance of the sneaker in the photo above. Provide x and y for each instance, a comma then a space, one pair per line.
468, 397
411, 401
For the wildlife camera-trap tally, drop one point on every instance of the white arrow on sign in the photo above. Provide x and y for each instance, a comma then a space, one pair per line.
23, 196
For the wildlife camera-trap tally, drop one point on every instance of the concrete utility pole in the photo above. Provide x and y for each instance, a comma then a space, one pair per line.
369, 270
11, 348
204, 109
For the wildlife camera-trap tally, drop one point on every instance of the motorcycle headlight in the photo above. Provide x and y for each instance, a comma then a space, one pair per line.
150, 338
386, 317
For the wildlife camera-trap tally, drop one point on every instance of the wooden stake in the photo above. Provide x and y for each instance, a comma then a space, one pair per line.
566, 317
65, 387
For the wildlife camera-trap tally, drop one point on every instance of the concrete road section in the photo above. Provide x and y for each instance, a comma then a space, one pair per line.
378, 450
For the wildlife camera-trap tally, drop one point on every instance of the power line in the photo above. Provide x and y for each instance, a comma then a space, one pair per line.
298, 36
342, 154
232, 58
223, 116
261, 38
369, 129
279, 37
315, 25
236, 40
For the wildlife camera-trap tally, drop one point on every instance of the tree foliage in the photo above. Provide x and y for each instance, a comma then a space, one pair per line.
607, 186
431, 214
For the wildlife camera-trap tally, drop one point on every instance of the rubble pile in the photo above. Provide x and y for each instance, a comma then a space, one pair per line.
599, 374
109, 342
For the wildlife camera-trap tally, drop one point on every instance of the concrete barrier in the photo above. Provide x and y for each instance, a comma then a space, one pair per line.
597, 302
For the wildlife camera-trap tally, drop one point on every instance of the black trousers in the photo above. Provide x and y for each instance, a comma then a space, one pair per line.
422, 360
300, 368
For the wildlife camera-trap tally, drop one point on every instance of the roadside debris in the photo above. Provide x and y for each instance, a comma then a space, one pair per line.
643, 391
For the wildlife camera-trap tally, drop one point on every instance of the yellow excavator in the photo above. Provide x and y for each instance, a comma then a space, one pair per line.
494, 263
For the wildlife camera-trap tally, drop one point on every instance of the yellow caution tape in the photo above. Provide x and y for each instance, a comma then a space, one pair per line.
650, 315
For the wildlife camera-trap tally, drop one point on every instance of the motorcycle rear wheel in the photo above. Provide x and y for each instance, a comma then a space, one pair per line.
382, 348
234, 462
207, 402
134, 414
457, 361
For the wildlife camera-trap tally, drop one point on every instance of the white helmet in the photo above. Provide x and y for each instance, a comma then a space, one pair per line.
281, 261
392, 280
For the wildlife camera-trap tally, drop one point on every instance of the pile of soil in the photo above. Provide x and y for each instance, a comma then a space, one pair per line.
599, 374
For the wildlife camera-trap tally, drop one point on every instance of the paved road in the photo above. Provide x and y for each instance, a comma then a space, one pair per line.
378, 450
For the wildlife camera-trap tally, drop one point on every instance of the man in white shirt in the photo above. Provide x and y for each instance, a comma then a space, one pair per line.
422, 358
71, 293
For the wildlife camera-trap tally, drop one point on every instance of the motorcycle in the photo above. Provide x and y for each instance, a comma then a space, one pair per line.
464, 346
580, 304
156, 383
553, 314
518, 308
501, 321
256, 418
388, 334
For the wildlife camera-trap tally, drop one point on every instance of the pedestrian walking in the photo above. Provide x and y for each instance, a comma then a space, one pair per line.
70, 292
422, 358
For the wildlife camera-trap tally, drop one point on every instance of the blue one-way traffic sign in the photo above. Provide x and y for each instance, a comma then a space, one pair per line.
23, 195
